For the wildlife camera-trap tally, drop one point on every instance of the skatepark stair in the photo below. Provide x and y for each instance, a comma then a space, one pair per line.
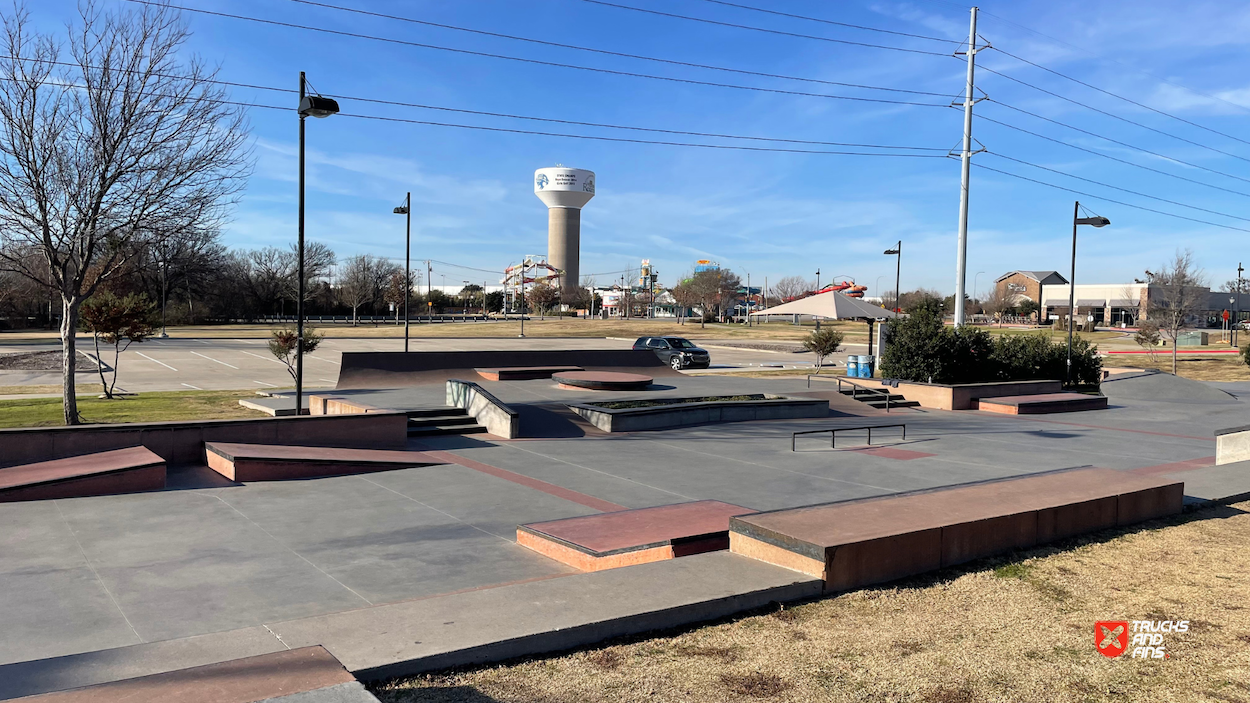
879, 400
442, 421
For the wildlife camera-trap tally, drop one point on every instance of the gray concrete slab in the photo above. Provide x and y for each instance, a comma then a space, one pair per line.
498, 623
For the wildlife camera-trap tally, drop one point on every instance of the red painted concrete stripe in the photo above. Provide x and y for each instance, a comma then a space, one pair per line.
892, 453
548, 488
1175, 467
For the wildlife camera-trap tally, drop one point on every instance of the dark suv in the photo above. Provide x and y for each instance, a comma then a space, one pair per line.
676, 352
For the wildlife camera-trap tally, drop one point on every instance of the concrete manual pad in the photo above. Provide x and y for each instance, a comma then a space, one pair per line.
101, 473
1042, 403
268, 462
860, 542
544, 616
622, 538
260, 678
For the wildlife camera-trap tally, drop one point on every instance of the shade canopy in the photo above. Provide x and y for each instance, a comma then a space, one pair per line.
831, 305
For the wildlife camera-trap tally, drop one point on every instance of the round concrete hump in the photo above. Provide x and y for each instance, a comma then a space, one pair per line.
602, 380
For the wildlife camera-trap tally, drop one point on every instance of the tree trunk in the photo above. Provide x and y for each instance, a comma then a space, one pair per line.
69, 359
1175, 335
104, 384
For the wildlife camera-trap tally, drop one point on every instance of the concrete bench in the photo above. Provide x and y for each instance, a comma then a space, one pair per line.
1232, 445
523, 373
102, 473
626, 537
1041, 403
271, 462
861, 542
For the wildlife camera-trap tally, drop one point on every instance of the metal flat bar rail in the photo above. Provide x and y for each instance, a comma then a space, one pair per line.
833, 433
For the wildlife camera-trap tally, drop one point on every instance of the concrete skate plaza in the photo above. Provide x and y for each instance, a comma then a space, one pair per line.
229, 570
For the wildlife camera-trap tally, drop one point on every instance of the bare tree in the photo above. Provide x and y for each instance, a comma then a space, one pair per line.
355, 285
123, 148
998, 302
793, 288
687, 297
1178, 291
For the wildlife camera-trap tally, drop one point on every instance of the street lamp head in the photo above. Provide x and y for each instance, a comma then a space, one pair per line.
1098, 221
401, 210
890, 252
317, 106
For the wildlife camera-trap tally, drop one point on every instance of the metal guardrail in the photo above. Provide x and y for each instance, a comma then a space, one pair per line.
855, 388
833, 433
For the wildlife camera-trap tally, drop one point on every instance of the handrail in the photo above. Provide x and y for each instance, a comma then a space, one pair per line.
855, 388
833, 437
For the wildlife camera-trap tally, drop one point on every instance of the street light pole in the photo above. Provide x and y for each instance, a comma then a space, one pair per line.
320, 107
898, 270
1094, 221
1237, 305
817, 291
406, 210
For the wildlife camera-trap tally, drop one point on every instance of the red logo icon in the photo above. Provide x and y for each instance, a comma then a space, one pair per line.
1111, 637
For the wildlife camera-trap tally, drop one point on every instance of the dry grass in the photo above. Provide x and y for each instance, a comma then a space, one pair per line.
1224, 367
1017, 630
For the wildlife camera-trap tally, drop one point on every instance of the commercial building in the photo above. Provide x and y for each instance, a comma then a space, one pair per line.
1112, 304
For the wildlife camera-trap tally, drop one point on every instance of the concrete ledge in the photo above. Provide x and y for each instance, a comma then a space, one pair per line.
499, 419
627, 537
961, 396
258, 462
1232, 445
544, 616
180, 443
523, 373
1041, 403
103, 473
861, 542
684, 414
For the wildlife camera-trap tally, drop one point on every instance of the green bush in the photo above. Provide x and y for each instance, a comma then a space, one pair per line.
923, 349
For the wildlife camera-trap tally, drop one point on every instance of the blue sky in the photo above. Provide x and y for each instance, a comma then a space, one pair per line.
770, 214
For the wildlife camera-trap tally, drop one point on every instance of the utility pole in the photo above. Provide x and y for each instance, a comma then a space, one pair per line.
299, 304
961, 261
748, 298
429, 291
1237, 305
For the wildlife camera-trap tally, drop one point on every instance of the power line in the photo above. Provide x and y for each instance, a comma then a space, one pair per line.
639, 141
1116, 141
831, 22
1108, 185
402, 42
1112, 158
762, 29
1109, 200
1121, 97
1117, 117
496, 114
606, 52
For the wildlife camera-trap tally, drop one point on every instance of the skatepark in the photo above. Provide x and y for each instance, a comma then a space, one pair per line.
398, 529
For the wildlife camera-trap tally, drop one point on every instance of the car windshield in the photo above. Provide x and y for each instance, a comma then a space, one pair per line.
679, 343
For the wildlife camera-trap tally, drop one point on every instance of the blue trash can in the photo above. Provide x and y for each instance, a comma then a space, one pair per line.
852, 366
865, 366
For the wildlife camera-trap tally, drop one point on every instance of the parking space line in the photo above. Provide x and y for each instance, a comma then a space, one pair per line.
336, 363
145, 356
197, 388
214, 360
271, 385
201, 341
258, 356
328, 380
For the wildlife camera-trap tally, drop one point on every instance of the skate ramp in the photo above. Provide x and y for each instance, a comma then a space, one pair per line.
1163, 387
400, 369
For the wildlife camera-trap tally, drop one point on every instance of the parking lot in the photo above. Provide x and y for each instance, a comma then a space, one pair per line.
179, 364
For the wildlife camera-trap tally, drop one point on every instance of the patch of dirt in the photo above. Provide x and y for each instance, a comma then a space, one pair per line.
755, 685
41, 361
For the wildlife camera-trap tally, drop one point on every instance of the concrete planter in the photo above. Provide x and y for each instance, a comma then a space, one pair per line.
661, 417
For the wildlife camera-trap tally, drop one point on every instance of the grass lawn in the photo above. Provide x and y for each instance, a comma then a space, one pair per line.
998, 630
80, 389
1222, 367
146, 407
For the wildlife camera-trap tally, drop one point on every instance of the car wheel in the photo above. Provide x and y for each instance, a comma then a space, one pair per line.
675, 362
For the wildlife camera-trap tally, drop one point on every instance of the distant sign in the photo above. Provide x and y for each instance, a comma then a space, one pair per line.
1224, 315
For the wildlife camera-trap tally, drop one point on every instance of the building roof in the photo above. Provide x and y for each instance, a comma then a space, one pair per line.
831, 305
1046, 278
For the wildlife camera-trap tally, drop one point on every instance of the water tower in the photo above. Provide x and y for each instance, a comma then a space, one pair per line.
564, 191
